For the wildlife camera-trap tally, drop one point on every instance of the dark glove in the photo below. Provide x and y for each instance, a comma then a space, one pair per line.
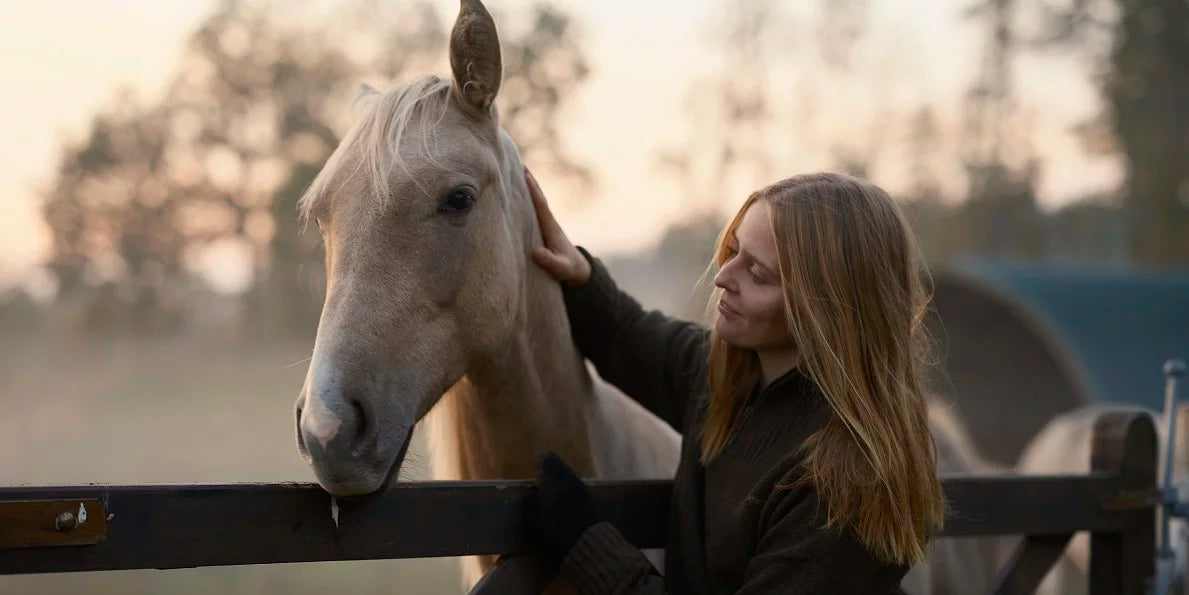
560, 510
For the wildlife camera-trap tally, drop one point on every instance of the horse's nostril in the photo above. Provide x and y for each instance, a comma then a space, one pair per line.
301, 441
360, 415
358, 441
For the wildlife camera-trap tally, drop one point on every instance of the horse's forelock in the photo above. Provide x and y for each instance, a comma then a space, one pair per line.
371, 147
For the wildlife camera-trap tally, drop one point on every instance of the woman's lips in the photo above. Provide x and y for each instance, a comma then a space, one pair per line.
726, 310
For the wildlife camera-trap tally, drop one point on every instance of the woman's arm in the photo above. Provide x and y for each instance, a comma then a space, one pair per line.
593, 555
794, 554
603, 562
658, 361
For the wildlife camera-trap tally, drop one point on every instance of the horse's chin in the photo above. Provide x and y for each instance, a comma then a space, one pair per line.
394, 469
358, 488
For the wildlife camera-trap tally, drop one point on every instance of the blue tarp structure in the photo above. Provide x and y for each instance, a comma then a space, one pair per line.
1119, 326
1020, 343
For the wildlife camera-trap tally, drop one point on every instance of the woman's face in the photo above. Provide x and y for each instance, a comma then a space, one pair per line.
751, 307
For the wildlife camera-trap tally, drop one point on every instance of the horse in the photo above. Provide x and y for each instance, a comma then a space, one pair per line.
1063, 446
432, 302
434, 311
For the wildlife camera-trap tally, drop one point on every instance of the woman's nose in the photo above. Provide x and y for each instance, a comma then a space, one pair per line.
725, 278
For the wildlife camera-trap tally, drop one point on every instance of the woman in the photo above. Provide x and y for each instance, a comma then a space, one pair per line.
807, 465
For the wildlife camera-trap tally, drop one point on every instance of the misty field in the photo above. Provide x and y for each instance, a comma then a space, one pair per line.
173, 410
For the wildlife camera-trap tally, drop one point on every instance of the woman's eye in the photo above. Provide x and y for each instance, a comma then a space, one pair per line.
755, 277
458, 201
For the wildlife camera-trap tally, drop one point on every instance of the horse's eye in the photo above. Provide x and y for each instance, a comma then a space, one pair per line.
458, 201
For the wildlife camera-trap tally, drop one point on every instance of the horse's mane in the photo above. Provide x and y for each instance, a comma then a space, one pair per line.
444, 436
382, 121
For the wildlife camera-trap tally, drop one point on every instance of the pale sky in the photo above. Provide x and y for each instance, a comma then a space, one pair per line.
63, 59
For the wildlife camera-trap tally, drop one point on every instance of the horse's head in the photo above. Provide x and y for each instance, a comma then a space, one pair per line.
423, 213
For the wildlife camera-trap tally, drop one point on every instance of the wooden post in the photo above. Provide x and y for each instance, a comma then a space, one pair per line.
1029, 563
1123, 562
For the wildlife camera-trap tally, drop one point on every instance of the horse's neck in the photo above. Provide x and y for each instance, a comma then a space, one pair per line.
534, 395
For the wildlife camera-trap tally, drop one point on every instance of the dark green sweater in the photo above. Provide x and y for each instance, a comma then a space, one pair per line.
731, 530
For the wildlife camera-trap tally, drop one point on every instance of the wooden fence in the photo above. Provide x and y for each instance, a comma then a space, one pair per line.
174, 526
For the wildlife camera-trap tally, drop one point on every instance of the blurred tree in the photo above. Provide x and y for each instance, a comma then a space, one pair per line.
116, 236
999, 217
736, 114
214, 170
732, 113
931, 218
1148, 97
924, 140
1142, 48
19, 311
1089, 230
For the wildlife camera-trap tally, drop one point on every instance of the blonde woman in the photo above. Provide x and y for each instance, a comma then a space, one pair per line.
807, 464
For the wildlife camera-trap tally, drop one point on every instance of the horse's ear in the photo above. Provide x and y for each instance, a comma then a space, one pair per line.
364, 101
475, 56
365, 89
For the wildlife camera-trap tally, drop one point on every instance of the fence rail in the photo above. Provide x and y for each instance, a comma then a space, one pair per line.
172, 526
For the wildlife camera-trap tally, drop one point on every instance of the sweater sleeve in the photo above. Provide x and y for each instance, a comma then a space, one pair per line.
798, 555
657, 360
603, 562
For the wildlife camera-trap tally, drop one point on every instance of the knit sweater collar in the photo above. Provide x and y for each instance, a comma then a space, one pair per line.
794, 381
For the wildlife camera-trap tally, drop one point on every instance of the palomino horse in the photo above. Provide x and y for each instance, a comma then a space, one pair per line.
1063, 446
432, 301
433, 307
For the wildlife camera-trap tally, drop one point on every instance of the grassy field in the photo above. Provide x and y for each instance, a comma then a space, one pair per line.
173, 410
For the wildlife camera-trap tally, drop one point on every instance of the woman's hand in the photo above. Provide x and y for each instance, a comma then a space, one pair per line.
560, 510
558, 256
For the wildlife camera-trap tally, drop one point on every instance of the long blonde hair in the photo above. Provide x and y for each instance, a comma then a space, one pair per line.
855, 301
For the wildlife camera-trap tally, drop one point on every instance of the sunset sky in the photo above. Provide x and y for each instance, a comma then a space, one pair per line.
63, 59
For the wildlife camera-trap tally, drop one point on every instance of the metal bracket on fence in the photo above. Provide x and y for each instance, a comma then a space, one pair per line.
51, 523
1133, 500
1170, 505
